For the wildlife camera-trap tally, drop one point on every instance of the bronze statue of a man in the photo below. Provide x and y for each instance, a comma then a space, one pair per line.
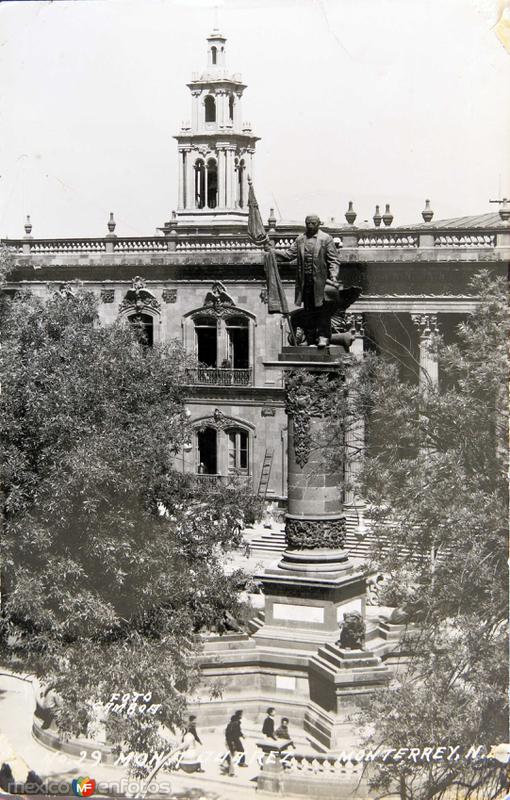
317, 269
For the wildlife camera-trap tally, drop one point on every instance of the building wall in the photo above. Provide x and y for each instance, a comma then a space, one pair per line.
405, 292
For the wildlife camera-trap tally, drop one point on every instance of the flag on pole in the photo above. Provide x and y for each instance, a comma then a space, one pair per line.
276, 300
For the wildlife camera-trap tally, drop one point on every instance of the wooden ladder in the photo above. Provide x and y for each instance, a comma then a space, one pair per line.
265, 473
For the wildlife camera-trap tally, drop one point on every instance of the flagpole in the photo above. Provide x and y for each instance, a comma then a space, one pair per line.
262, 239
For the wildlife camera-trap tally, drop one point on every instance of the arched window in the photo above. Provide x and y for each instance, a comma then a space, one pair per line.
210, 108
144, 328
206, 340
214, 54
238, 342
231, 107
212, 184
207, 452
199, 183
238, 451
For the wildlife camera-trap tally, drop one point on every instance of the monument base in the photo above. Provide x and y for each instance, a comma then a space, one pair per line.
306, 595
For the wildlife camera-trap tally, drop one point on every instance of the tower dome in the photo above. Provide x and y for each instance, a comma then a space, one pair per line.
215, 149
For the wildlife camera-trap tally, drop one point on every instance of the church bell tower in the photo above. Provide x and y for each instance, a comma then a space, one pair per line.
216, 148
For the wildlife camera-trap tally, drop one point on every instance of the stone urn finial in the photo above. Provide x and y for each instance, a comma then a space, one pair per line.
377, 217
271, 220
387, 217
111, 224
504, 210
350, 214
427, 212
28, 226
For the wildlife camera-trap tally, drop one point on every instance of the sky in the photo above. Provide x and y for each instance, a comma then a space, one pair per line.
374, 101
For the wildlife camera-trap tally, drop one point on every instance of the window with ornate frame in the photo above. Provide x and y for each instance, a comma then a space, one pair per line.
222, 340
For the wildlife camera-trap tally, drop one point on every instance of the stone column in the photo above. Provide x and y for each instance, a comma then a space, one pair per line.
315, 522
195, 110
221, 176
230, 177
220, 108
190, 179
181, 172
428, 330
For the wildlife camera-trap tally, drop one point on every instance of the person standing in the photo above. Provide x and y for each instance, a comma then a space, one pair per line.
268, 724
233, 736
192, 728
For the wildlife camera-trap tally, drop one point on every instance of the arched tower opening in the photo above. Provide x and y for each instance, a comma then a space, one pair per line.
210, 108
199, 183
212, 183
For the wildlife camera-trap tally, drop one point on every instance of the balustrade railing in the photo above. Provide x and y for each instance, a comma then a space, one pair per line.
139, 245
387, 239
214, 481
192, 243
346, 238
67, 246
320, 765
465, 240
212, 376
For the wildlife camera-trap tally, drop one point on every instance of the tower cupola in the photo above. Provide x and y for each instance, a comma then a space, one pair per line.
216, 50
216, 148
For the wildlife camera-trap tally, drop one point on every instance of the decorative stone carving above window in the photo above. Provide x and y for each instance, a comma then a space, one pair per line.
169, 295
218, 420
64, 291
107, 295
218, 297
138, 298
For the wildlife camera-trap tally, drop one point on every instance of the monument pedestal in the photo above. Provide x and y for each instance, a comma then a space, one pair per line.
303, 608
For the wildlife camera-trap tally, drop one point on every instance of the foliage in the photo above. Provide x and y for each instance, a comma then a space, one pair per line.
435, 481
112, 560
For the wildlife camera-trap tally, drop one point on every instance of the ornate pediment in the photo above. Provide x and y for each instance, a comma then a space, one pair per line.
139, 298
217, 420
218, 298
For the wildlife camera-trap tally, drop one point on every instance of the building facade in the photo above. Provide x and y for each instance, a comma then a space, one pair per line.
201, 281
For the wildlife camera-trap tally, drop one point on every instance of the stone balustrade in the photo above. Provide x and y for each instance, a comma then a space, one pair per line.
465, 240
224, 481
213, 376
387, 239
143, 244
311, 775
350, 237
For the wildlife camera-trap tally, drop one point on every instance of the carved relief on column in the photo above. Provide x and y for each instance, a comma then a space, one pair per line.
428, 329
355, 428
309, 534
307, 394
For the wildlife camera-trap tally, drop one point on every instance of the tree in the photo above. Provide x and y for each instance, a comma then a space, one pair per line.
435, 481
111, 559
